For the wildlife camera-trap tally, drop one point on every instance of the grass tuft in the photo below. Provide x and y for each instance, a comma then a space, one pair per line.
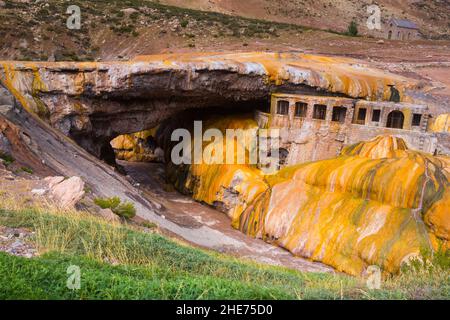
125, 209
118, 261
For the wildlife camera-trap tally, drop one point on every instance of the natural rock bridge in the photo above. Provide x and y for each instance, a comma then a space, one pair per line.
96, 101
43, 103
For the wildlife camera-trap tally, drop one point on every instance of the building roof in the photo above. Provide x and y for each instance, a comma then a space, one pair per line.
403, 23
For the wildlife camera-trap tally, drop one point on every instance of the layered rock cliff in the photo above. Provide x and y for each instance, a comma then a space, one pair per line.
377, 203
97, 101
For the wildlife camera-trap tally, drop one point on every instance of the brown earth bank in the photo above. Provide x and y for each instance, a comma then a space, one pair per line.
431, 16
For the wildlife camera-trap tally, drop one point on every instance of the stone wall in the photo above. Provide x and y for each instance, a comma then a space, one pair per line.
309, 139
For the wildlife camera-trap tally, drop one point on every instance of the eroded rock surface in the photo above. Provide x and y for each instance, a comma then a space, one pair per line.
378, 203
97, 101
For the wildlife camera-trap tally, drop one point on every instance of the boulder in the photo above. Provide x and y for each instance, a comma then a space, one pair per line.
68, 192
53, 181
129, 10
108, 215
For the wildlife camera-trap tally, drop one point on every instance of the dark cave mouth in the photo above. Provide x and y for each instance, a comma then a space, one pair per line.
145, 146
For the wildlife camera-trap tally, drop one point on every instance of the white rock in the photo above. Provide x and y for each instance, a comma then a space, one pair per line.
53, 181
129, 10
39, 192
69, 192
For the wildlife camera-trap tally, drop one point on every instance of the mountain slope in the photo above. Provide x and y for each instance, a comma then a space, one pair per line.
431, 16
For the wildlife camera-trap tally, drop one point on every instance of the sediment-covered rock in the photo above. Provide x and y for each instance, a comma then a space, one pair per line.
366, 207
378, 203
97, 101
138, 147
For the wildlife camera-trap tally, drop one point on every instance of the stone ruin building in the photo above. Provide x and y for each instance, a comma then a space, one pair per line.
318, 127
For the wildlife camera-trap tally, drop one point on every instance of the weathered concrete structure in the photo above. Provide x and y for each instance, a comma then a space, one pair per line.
318, 127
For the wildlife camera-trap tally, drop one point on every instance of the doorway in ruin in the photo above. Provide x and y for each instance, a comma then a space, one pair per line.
395, 120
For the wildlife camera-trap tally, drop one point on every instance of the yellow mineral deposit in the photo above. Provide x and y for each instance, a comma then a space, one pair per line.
232, 186
376, 204
441, 123
128, 147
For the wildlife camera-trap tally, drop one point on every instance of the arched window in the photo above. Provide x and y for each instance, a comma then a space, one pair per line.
390, 34
395, 119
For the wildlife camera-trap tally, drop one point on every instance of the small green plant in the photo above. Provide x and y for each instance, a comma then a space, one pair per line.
107, 203
87, 189
352, 29
6, 157
27, 170
149, 225
125, 209
184, 23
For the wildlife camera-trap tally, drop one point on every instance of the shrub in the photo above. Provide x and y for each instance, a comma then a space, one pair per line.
352, 29
184, 23
7, 158
125, 209
107, 203
27, 170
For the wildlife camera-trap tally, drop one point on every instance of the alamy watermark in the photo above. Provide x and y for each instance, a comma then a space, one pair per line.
373, 280
74, 280
239, 146
74, 20
374, 20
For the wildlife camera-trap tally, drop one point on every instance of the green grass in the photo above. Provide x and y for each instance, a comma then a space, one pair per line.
121, 262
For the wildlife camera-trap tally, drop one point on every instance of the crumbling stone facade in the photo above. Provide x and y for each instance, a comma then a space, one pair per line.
318, 127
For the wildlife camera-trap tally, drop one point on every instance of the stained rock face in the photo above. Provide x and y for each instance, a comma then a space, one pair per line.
356, 210
97, 101
228, 187
138, 147
378, 203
